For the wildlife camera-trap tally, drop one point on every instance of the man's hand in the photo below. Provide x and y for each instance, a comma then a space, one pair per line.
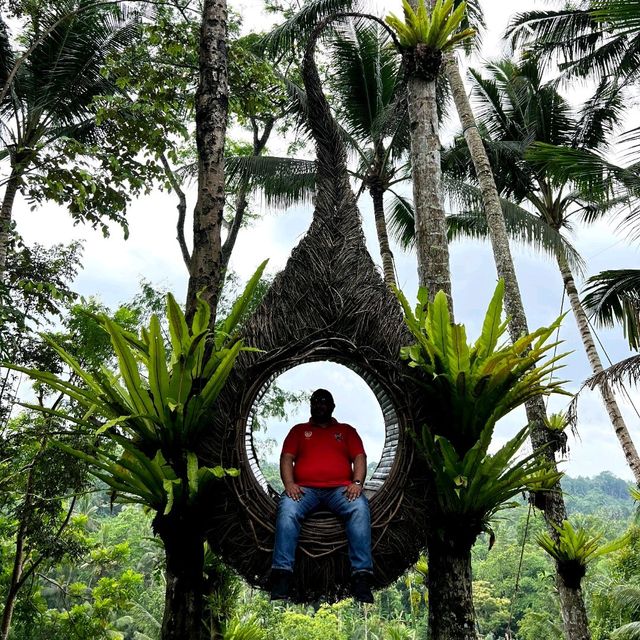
353, 491
294, 491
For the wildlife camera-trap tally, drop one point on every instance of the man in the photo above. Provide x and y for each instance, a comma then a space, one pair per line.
323, 464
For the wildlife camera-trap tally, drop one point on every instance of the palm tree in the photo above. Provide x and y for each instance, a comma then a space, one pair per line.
518, 108
594, 38
467, 389
612, 297
542, 439
424, 36
371, 108
48, 108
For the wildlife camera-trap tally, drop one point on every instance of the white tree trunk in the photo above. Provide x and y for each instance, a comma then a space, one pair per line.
571, 600
619, 426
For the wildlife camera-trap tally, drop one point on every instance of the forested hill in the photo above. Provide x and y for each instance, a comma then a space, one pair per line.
603, 495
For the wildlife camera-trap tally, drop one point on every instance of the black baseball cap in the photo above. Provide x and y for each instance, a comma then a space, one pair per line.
322, 394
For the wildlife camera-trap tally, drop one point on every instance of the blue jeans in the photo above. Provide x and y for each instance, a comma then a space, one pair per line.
355, 514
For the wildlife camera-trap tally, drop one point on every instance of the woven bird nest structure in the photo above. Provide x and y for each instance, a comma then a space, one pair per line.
329, 303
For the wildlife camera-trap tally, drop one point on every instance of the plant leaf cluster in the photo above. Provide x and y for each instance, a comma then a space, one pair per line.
436, 28
574, 548
468, 388
157, 406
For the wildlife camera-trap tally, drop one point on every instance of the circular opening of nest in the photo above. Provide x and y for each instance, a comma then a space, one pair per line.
284, 401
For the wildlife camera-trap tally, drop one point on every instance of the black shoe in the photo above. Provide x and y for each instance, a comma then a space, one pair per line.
361, 587
280, 581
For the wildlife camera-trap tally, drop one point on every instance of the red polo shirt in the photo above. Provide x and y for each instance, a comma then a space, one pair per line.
323, 455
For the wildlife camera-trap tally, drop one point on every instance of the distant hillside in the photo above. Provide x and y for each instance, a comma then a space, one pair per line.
604, 495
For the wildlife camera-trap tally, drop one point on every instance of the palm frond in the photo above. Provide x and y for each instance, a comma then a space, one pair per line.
523, 227
625, 371
401, 217
592, 174
365, 78
628, 597
629, 631
282, 181
596, 38
623, 15
613, 297
598, 117
299, 26
473, 19
568, 33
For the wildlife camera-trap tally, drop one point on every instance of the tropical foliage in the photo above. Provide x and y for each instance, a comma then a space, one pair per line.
157, 418
469, 388
435, 28
573, 549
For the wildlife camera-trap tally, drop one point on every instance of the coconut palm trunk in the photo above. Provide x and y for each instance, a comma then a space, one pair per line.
212, 99
611, 405
431, 233
571, 600
377, 196
6, 213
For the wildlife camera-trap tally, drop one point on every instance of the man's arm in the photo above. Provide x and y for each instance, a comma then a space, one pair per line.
293, 490
359, 474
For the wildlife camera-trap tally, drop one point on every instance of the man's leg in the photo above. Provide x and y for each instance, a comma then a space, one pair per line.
357, 523
289, 519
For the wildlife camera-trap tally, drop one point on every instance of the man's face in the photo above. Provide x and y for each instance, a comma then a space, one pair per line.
321, 407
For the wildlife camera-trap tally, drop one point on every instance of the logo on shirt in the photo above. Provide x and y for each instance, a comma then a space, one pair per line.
308, 434
338, 436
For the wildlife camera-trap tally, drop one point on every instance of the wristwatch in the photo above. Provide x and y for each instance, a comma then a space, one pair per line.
357, 482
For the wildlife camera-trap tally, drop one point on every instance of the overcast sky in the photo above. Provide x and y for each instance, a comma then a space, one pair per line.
113, 269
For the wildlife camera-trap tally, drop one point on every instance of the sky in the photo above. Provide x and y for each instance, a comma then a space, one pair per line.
113, 268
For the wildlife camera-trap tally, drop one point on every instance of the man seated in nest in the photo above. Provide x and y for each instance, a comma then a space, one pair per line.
323, 464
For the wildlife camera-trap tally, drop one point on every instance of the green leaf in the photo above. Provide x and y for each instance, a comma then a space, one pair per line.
239, 309
114, 422
169, 487
158, 373
218, 379
491, 326
439, 325
192, 473
178, 329
129, 370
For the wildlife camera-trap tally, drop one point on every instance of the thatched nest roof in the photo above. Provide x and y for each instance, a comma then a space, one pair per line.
329, 303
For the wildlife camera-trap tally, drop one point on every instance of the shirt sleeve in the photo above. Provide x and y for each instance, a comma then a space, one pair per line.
354, 444
290, 444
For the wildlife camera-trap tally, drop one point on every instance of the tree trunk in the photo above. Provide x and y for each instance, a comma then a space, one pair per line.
18, 563
619, 426
6, 212
16, 575
572, 604
259, 144
184, 549
574, 616
450, 602
212, 100
431, 232
377, 195
182, 210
